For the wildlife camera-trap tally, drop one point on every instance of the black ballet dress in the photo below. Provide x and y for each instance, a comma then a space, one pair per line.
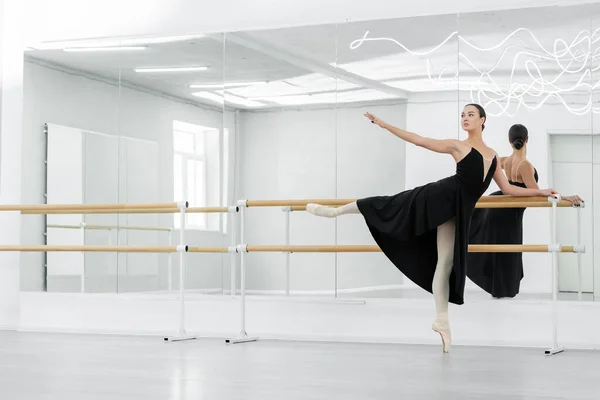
404, 225
499, 274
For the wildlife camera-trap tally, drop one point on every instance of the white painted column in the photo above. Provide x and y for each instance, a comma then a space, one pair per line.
11, 109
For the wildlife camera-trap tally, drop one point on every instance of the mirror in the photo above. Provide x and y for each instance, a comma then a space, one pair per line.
282, 86
278, 114
70, 114
502, 60
410, 82
124, 121
530, 69
592, 241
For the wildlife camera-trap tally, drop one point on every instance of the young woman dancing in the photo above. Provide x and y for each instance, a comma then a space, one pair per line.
424, 231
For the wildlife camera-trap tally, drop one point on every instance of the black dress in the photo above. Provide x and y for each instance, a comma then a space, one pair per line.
405, 225
499, 274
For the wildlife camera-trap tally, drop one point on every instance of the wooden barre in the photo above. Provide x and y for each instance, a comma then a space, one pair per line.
512, 204
191, 210
284, 203
481, 248
195, 249
484, 202
83, 207
517, 204
91, 248
108, 227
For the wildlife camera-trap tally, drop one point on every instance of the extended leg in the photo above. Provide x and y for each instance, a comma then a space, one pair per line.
332, 212
441, 280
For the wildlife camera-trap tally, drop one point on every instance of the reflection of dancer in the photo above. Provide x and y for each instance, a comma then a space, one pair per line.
500, 274
424, 231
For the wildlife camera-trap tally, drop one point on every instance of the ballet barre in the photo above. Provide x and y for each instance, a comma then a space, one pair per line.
110, 227
151, 210
84, 207
84, 226
502, 201
473, 248
95, 248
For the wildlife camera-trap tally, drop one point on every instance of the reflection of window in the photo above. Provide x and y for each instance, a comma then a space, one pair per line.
197, 162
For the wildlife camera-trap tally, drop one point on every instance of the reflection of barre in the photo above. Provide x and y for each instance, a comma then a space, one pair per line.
95, 248
98, 210
111, 227
195, 249
477, 248
83, 207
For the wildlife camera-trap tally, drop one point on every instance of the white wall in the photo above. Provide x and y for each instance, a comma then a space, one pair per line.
11, 99
73, 19
438, 117
320, 153
53, 96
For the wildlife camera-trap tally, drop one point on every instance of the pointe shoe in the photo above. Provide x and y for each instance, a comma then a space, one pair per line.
444, 331
321, 211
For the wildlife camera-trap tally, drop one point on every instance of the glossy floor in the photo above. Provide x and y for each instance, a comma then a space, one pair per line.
67, 367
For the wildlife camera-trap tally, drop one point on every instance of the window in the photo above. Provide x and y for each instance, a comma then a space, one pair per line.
197, 162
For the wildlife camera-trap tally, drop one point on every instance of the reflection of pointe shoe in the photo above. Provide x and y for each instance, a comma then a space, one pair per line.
444, 330
321, 211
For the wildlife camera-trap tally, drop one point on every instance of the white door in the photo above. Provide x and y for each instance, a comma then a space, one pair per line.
572, 173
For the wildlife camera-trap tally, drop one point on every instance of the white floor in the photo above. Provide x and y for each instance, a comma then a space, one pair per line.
83, 367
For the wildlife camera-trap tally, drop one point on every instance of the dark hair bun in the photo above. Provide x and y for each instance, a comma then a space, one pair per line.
517, 135
518, 143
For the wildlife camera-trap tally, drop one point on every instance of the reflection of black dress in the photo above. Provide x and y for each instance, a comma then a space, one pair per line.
499, 274
405, 225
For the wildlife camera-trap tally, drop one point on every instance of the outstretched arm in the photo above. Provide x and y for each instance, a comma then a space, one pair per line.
512, 190
447, 146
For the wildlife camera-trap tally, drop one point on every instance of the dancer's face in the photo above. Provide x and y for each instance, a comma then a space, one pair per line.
470, 119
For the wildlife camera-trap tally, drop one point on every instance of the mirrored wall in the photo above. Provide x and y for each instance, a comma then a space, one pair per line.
279, 114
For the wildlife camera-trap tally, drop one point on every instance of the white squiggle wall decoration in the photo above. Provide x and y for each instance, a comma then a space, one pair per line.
572, 60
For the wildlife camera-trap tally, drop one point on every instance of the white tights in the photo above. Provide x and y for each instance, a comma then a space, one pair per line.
332, 212
441, 277
445, 250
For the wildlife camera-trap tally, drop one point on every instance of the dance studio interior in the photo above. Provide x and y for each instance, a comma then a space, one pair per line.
253, 199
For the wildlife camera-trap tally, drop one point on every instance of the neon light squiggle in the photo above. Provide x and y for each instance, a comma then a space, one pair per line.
571, 60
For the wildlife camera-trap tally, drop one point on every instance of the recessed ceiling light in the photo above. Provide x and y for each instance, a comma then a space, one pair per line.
161, 39
171, 69
107, 48
228, 84
220, 99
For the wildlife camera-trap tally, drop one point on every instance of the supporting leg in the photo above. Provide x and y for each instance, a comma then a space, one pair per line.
441, 281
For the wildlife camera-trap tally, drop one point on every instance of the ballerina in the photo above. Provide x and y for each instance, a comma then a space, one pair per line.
424, 231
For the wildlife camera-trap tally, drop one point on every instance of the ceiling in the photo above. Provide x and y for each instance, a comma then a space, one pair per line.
317, 64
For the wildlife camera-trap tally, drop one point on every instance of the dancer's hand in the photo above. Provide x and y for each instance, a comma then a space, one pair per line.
375, 120
575, 200
547, 192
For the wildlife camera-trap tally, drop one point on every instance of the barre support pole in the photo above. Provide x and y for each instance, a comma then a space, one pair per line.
242, 249
287, 210
579, 271
181, 333
556, 248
